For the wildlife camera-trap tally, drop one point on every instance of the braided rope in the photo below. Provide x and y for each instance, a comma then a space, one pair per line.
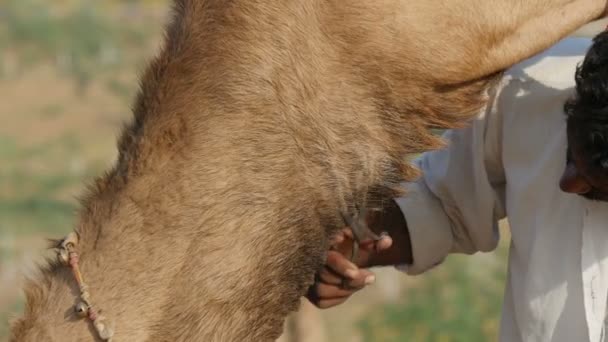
68, 255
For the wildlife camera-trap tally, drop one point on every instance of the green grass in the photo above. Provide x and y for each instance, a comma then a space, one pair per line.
52, 111
81, 40
459, 301
33, 199
35, 216
7, 315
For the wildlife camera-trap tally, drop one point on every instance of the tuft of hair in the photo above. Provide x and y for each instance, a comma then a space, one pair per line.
36, 292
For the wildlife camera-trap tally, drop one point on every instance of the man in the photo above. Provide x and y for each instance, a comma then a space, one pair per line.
510, 163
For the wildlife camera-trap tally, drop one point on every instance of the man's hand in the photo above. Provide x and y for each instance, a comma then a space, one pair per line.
328, 290
393, 248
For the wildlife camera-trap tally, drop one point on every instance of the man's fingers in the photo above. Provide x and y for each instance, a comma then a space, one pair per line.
384, 243
363, 278
347, 232
325, 295
337, 239
326, 291
328, 276
328, 303
341, 265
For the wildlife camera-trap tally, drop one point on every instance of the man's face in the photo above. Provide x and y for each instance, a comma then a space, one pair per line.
582, 179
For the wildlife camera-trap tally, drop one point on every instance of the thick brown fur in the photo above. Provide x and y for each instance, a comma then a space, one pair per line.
258, 123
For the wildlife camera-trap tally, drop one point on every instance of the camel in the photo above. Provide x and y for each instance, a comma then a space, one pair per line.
258, 125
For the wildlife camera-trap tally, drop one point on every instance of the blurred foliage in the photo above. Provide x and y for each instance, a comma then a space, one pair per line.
31, 196
459, 301
6, 316
80, 40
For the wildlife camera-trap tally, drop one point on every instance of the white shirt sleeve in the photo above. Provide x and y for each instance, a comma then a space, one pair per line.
457, 203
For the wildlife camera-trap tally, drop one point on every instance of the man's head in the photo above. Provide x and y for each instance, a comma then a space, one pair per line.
586, 171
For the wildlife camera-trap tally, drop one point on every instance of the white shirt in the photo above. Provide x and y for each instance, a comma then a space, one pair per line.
508, 163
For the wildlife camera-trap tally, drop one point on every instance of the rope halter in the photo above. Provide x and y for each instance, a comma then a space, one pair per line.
68, 256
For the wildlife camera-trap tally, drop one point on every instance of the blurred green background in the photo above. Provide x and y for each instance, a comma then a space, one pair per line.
68, 72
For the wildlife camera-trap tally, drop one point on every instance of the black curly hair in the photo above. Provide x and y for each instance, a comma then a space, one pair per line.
587, 111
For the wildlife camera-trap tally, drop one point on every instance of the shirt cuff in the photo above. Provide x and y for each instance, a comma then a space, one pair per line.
429, 228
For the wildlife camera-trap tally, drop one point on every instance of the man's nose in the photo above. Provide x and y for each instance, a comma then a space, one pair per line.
573, 182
